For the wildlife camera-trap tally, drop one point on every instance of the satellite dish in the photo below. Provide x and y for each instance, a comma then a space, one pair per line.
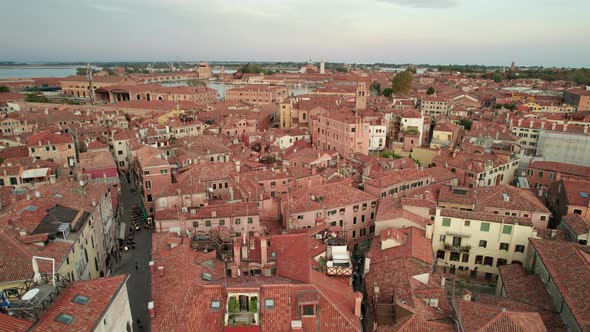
37, 194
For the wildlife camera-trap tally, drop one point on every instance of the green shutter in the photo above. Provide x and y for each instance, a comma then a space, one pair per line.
507, 229
446, 222
485, 227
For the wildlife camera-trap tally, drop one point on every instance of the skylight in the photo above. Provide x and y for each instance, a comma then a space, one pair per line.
215, 305
583, 194
80, 299
31, 208
269, 303
64, 319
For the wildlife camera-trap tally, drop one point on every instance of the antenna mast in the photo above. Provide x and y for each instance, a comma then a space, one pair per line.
90, 88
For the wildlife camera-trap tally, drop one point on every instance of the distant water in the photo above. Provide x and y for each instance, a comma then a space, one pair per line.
37, 71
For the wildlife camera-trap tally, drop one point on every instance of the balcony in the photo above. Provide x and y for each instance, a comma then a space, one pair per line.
453, 248
338, 261
242, 309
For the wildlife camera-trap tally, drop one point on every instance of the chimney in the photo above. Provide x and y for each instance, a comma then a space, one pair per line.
237, 256
519, 122
263, 251
152, 267
213, 214
553, 125
358, 300
237, 162
151, 309
161, 271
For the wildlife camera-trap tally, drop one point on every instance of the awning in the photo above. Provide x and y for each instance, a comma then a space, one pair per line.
122, 231
143, 210
36, 173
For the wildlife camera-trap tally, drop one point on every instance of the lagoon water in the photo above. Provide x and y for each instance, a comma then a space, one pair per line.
37, 71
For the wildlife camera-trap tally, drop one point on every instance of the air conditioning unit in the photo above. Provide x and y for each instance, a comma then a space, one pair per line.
184, 209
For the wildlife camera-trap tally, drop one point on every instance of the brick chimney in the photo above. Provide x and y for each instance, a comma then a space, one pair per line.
152, 267
358, 300
263, 251
161, 271
151, 309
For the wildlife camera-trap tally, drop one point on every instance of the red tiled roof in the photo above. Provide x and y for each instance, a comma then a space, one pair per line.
100, 292
47, 138
569, 169
574, 189
292, 256
13, 324
578, 225
475, 316
334, 195
569, 267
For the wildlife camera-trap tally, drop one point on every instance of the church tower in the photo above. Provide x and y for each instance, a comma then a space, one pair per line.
361, 96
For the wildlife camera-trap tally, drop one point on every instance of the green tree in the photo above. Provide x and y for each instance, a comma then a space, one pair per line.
430, 91
466, 123
387, 92
376, 89
497, 77
401, 82
196, 83
4, 89
411, 69
82, 71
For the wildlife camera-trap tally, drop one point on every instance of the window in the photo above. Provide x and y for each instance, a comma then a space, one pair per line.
540, 174
163, 171
363, 218
454, 256
64, 319
507, 229
501, 261
578, 211
456, 241
269, 303
543, 218
442, 238
440, 254
354, 234
519, 248
465, 258
485, 227
467, 223
221, 222
208, 223
478, 259
363, 231
446, 222
215, 305
237, 221
195, 224
488, 261
504, 246
80, 299
308, 310
483, 243
148, 184
354, 220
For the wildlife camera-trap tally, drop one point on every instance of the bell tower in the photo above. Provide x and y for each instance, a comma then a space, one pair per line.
361, 96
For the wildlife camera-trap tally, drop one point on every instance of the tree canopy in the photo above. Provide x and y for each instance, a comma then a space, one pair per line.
430, 91
401, 82
4, 89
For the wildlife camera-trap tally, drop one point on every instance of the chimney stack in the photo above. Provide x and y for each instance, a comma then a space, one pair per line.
358, 300
263, 251
151, 309
161, 271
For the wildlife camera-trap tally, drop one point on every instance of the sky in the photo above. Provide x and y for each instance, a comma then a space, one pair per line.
488, 32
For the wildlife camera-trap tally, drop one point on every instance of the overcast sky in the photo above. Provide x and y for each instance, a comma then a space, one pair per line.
492, 32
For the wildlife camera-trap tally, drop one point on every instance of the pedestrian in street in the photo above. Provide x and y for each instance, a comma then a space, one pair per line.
136, 266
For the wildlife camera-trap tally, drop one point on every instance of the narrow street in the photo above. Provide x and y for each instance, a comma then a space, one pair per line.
135, 261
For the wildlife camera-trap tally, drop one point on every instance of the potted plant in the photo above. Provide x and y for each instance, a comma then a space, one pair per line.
253, 307
232, 305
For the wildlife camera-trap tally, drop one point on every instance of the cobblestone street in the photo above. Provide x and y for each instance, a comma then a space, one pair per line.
135, 261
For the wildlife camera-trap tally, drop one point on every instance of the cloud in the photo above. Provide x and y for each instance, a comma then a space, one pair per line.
424, 3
